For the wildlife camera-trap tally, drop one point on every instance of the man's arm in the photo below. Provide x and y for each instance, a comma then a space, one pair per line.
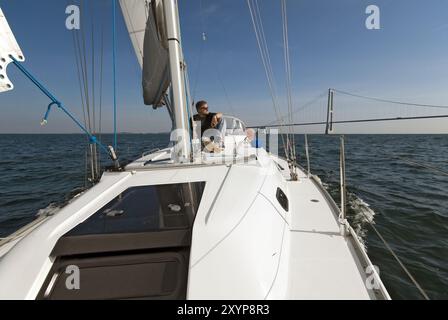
216, 119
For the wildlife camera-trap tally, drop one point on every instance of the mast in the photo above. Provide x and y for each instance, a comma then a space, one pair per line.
177, 69
154, 30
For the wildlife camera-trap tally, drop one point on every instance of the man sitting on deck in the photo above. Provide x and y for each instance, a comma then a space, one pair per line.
207, 120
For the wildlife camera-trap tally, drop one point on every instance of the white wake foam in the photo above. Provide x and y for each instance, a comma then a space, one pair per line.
50, 210
363, 215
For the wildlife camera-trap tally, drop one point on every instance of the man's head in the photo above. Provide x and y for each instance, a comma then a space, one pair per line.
202, 108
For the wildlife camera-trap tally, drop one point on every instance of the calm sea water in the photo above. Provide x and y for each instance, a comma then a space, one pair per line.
407, 202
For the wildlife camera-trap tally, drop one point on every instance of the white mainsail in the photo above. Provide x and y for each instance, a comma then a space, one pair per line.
145, 23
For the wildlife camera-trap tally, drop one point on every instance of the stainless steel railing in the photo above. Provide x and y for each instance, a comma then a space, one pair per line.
343, 213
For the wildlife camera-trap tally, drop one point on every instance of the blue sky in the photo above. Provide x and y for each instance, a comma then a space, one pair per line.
330, 47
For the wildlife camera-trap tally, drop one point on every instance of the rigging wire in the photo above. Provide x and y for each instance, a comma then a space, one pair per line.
353, 121
114, 41
229, 101
78, 69
82, 77
379, 119
264, 55
93, 77
395, 256
201, 51
81, 85
85, 72
292, 148
198, 70
86, 168
287, 59
265, 58
101, 85
264, 41
304, 106
392, 252
94, 153
389, 101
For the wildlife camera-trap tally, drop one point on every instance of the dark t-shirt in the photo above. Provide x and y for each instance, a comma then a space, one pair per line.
206, 122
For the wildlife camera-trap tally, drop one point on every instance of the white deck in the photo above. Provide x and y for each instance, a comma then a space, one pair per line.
244, 246
322, 264
301, 255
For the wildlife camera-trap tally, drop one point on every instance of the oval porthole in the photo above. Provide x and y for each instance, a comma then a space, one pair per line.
282, 199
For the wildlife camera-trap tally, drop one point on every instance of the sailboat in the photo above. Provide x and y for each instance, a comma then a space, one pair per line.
184, 223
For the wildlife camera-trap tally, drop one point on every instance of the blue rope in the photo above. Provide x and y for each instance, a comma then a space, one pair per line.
114, 5
56, 102
45, 119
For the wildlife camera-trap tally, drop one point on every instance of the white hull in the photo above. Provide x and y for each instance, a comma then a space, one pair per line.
244, 244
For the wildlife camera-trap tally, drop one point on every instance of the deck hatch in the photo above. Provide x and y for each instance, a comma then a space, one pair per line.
135, 247
145, 209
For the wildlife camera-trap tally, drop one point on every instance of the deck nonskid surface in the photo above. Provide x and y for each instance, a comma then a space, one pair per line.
322, 264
